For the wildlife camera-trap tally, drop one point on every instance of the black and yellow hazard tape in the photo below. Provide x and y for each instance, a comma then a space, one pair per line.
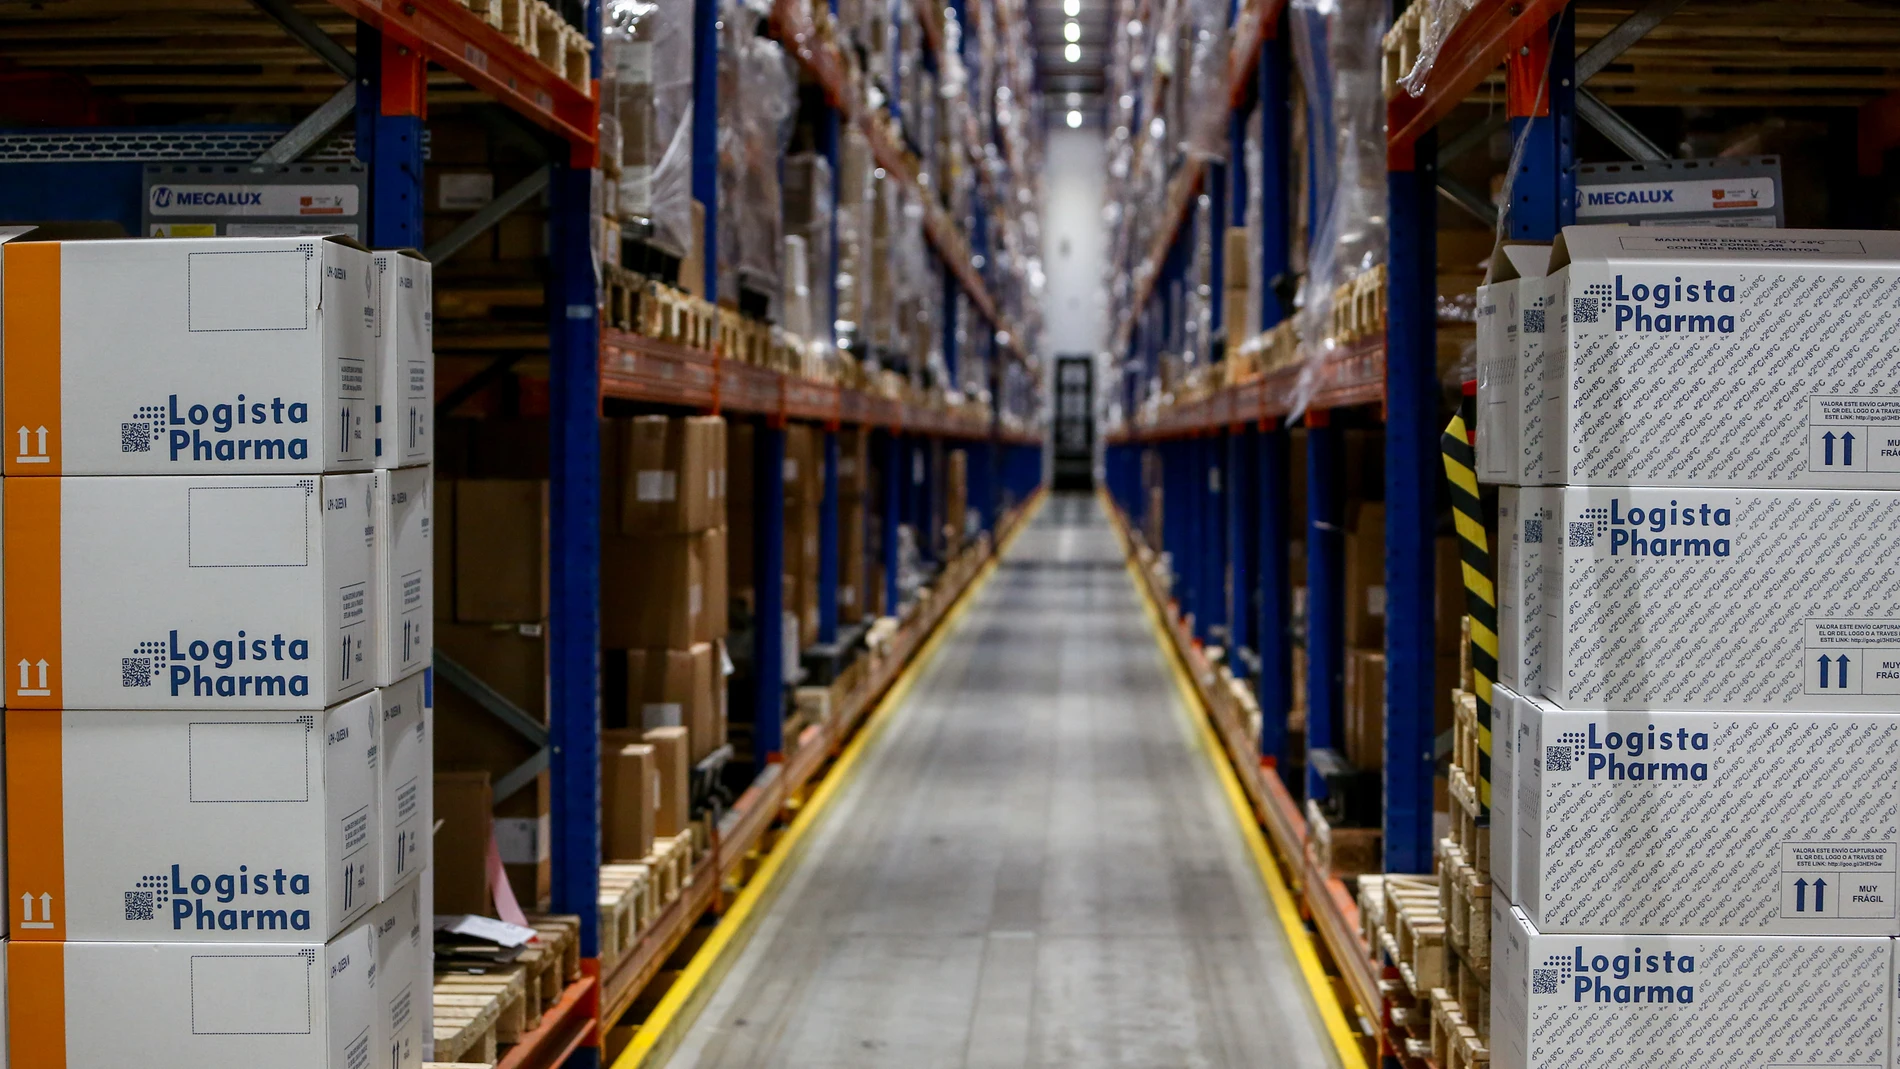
1481, 599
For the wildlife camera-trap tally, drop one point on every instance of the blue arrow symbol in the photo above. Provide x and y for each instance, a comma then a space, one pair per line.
1847, 448
1800, 896
1820, 891
1843, 660
1825, 661
1827, 447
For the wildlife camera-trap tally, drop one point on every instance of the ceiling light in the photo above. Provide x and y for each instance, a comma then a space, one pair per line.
1075, 100
1073, 53
1072, 8
1072, 31
1075, 119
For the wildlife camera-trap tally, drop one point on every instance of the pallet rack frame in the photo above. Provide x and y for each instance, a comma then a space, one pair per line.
396, 43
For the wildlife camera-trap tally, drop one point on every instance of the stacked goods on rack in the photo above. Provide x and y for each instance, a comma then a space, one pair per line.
1664, 762
539, 30
219, 778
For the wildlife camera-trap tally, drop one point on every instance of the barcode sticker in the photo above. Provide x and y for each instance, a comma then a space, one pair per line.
656, 486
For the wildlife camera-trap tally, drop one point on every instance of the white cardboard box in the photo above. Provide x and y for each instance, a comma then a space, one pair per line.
1525, 516
1762, 1002
188, 592
405, 359
402, 588
193, 827
425, 994
396, 926
406, 764
1768, 823
1724, 599
1709, 356
215, 355
186, 1006
1504, 742
1510, 395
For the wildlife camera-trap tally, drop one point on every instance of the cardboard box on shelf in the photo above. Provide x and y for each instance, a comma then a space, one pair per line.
1677, 320
458, 869
852, 570
956, 495
509, 658
1705, 822
1365, 708
804, 464
669, 474
1524, 515
524, 837
1364, 556
629, 790
1510, 405
396, 929
718, 590
1674, 999
402, 582
230, 592
172, 1006
654, 590
405, 768
501, 556
673, 761
1723, 598
405, 359
854, 463
442, 546
212, 356
673, 688
193, 827
1509, 733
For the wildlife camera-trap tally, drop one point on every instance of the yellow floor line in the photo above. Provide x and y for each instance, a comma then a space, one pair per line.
663, 1029
1332, 1014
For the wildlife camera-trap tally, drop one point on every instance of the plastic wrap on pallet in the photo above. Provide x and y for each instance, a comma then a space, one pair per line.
647, 87
1437, 18
1337, 45
1204, 127
758, 94
852, 270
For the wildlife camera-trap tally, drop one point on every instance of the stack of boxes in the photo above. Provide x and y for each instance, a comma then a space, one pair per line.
218, 754
1693, 820
663, 621
804, 494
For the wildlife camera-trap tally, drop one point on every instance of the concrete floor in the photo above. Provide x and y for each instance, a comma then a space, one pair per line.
1033, 867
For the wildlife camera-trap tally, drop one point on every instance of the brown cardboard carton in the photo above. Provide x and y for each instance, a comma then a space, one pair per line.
653, 591
804, 464
1365, 575
664, 685
854, 463
956, 498
443, 547
523, 830
739, 501
511, 658
628, 783
668, 473
501, 560
852, 566
465, 810
672, 752
718, 592
716, 737
1365, 708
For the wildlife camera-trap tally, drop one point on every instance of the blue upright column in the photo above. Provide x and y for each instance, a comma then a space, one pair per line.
574, 551
828, 545
768, 571
391, 100
1243, 505
1213, 536
705, 133
1276, 600
1325, 590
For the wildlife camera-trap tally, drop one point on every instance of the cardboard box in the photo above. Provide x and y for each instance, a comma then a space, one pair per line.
442, 545
854, 463
402, 583
718, 591
396, 929
1772, 823
677, 688
218, 355
673, 762
512, 659
405, 763
654, 590
1705, 356
405, 359
501, 556
458, 871
1510, 375
1732, 599
670, 474
181, 1006
524, 835
193, 827
804, 464
852, 571
629, 796
1365, 708
1508, 740
1524, 515
1364, 557
227, 592
1730, 1000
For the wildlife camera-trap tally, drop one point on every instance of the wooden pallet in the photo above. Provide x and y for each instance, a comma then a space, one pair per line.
626, 908
1400, 53
477, 1013
1473, 838
1414, 934
551, 961
621, 290
488, 10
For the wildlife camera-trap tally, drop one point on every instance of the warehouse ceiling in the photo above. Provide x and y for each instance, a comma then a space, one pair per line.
1063, 70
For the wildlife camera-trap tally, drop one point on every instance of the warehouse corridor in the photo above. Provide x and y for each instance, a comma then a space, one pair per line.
1033, 867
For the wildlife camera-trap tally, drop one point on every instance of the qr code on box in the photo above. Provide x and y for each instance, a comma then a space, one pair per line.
135, 437
1543, 981
1533, 532
1583, 309
1556, 758
1533, 320
138, 905
1583, 534
135, 671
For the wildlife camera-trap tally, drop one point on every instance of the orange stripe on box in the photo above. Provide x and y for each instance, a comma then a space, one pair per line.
36, 826
31, 563
31, 342
36, 1004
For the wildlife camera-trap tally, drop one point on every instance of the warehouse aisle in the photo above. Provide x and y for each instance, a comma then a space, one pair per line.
1033, 867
